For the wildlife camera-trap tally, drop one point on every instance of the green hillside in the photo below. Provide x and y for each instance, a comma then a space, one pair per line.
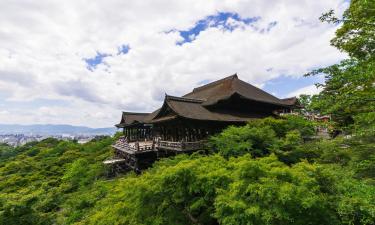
270, 171
262, 173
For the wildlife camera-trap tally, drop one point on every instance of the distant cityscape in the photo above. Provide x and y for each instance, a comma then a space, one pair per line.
21, 139
17, 135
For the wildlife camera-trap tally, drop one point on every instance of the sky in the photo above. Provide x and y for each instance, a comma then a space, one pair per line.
83, 62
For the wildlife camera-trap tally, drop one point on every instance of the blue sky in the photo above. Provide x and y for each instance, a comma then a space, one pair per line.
99, 57
83, 62
282, 86
96, 60
218, 20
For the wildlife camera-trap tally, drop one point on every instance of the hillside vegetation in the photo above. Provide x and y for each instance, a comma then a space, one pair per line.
262, 173
270, 171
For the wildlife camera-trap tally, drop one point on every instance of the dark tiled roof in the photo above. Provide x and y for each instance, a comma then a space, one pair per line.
291, 101
186, 108
129, 118
225, 88
194, 104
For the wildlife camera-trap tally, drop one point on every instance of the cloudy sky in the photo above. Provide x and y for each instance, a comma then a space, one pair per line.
83, 62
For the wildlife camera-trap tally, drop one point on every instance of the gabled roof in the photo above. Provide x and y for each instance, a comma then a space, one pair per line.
194, 105
194, 109
129, 118
291, 101
227, 87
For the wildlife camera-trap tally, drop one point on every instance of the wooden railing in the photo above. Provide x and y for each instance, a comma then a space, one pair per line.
133, 147
180, 146
137, 147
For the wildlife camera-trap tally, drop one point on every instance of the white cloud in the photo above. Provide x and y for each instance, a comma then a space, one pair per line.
4, 113
308, 90
43, 43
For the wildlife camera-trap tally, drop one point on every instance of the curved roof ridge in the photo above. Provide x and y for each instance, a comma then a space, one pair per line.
183, 99
294, 97
291, 101
134, 113
231, 77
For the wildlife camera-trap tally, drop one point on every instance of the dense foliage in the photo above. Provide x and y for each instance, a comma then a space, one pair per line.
291, 182
349, 89
262, 137
270, 171
38, 178
241, 190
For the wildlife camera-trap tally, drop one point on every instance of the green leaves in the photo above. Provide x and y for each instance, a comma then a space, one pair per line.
356, 35
62, 183
349, 90
38, 179
286, 195
261, 137
211, 189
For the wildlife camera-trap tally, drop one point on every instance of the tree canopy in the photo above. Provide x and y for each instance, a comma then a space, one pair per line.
349, 89
270, 171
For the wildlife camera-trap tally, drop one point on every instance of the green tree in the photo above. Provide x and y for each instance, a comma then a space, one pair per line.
356, 35
349, 90
263, 136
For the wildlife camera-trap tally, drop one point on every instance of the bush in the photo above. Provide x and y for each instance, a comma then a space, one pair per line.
242, 190
263, 136
236, 141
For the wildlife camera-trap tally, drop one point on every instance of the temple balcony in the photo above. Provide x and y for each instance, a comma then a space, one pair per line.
140, 155
133, 147
138, 147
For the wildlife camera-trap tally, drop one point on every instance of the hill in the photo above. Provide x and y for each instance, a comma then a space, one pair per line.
261, 173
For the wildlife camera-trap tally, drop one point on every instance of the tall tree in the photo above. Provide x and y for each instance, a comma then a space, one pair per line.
349, 89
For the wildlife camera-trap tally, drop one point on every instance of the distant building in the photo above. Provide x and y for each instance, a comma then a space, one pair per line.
182, 124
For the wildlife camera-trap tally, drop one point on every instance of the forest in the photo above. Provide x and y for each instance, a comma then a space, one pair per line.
270, 171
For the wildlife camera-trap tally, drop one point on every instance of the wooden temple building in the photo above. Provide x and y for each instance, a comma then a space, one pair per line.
182, 124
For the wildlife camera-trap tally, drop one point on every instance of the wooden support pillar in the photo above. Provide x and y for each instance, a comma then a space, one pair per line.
166, 134
187, 134
178, 134
175, 133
